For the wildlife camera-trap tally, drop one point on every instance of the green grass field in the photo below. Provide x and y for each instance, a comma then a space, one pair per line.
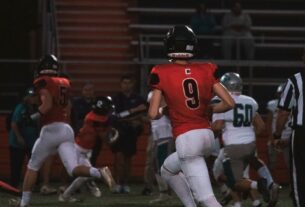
134, 199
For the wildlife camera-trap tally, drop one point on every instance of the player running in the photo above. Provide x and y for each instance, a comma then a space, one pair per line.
187, 89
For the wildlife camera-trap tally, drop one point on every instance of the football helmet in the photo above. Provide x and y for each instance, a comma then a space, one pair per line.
48, 65
180, 42
103, 105
232, 82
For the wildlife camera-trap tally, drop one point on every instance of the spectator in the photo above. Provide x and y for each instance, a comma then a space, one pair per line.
129, 108
81, 106
22, 134
204, 23
236, 27
163, 146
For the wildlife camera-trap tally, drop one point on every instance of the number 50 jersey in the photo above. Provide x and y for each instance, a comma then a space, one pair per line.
238, 121
187, 90
59, 89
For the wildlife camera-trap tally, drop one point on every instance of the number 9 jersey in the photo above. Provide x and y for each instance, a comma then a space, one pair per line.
187, 90
59, 89
238, 127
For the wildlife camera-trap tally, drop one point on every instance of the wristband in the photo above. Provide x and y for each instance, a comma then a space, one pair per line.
124, 114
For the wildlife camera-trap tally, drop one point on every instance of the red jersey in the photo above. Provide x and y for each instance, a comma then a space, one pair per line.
187, 90
88, 134
59, 88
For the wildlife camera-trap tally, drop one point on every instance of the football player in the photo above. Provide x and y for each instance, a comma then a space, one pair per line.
56, 134
96, 126
187, 88
239, 127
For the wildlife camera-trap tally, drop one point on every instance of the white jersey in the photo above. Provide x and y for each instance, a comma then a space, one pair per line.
238, 121
160, 128
272, 106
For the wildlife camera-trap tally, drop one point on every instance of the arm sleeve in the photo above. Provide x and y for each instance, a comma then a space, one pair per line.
17, 114
215, 73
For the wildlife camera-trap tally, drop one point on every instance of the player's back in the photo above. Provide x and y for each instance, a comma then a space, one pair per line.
58, 88
238, 121
187, 90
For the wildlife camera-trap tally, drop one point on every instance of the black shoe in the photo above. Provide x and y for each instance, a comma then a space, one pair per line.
146, 192
263, 189
226, 199
274, 194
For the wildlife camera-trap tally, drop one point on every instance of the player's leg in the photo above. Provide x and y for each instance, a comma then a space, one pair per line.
191, 147
171, 173
43, 147
164, 147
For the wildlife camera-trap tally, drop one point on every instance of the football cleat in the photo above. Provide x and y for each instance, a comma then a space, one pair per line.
46, 190
263, 189
69, 199
274, 194
107, 176
95, 191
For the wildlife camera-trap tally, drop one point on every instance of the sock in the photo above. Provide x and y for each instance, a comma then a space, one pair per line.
253, 185
265, 173
94, 172
256, 203
179, 184
25, 200
211, 201
75, 185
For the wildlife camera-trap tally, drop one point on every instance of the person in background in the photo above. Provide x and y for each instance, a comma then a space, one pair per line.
203, 23
130, 108
163, 146
22, 134
187, 88
285, 136
236, 27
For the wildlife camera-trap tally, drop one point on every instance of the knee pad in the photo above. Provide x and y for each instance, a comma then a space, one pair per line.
228, 172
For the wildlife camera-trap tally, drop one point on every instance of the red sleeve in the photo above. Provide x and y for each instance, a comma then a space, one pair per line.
215, 73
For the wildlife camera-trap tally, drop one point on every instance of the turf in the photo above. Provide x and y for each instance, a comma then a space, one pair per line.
134, 199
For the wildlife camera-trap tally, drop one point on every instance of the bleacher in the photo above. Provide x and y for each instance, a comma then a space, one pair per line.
277, 28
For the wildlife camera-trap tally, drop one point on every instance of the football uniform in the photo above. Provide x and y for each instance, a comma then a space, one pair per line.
238, 133
56, 134
187, 91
